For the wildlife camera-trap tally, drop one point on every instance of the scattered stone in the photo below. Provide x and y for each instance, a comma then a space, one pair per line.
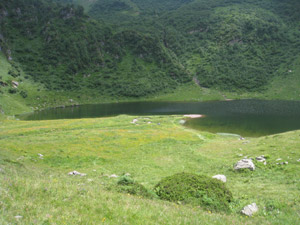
113, 176
298, 160
15, 84
282, 163
261, 158
242, 138
182, 122
265, 162
278, 159
90, 180
158, 124
18, 217
149, 122
75, 173
290, 71
220, 177
240, 155
134, 121
249, 210
127, 174
244, 164
41, 156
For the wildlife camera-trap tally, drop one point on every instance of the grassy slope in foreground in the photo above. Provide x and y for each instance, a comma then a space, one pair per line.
41, 192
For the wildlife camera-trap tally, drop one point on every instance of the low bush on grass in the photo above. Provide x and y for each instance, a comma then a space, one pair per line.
195, 189
129, 186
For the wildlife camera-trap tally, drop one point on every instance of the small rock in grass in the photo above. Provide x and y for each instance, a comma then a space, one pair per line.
113, 176
249, 210
41, 156
278, 159
261, 158
181, 122
74, 173
282, 163
220, 177
18, 217
127, 174
134, 121
244, 164
298, 160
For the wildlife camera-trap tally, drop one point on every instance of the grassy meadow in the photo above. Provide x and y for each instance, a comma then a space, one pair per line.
41, 191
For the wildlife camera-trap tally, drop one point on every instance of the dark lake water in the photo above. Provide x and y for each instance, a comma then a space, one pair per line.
244, 117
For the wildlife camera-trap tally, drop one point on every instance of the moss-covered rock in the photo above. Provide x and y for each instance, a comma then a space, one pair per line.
195, 189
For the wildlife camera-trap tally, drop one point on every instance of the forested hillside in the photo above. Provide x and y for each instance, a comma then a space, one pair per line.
62, 48
133, 48
227, 44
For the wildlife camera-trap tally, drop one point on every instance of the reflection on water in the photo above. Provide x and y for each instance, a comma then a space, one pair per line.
244, 117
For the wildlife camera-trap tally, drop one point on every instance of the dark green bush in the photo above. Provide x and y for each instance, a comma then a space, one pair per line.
23, 94
196, 190
12, 91
128, 185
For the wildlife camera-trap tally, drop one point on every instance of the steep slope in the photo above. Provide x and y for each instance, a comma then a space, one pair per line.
60, 47
232, 45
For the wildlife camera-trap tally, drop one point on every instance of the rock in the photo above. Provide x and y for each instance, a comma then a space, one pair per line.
113, 176
278, 159
18, 217
182, 122
261, 158
134, 121
298, 160
249, 210
282, 163
220, 177
15, 84
41, 156
74, 173
127, 174
244, 164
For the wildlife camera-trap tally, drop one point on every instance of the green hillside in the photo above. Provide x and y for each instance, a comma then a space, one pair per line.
138, 49
227, 44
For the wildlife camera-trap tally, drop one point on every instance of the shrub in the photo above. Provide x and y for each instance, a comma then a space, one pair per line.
196, 190
128, 185
12, 91
23, 94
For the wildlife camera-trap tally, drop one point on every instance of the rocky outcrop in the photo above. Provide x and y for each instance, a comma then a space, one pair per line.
249, 210
244, 164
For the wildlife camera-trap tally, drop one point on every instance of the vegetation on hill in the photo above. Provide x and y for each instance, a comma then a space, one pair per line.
233, 45
60, 47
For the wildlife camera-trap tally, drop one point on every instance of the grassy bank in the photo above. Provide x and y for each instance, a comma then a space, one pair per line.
42, 192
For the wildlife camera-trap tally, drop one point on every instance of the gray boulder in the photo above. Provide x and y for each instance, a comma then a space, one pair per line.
220, 177
244, 164
76, 173
249, 210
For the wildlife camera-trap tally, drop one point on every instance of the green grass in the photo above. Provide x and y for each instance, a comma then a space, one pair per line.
41, 191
